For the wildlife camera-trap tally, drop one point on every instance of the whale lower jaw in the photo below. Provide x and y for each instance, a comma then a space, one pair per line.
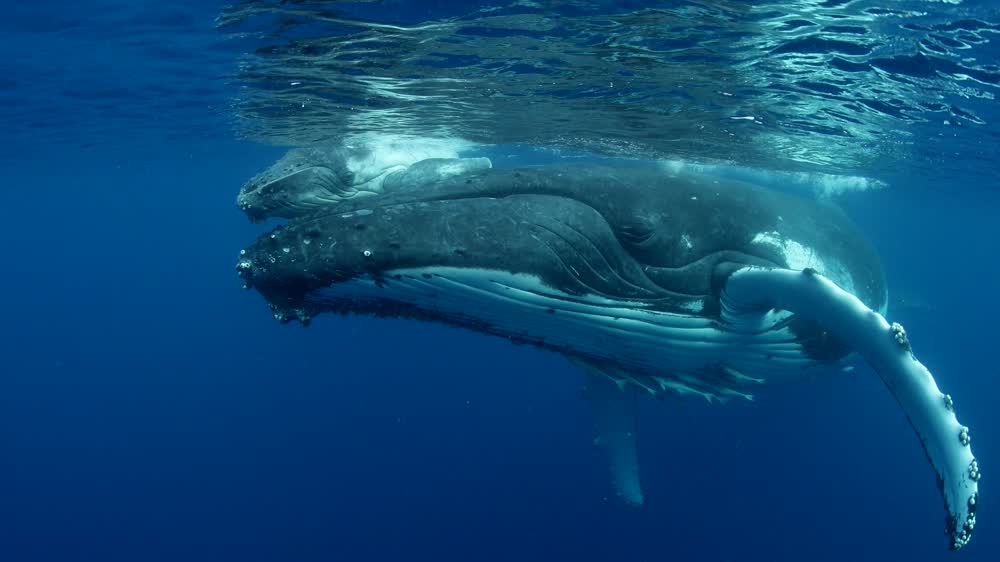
648, 349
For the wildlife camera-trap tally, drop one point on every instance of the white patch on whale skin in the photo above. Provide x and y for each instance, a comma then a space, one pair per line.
627, 334
694, 306
822, 184
378, 154
798, 257
459, 167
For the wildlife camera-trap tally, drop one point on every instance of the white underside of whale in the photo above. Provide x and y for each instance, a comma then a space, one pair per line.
627, 334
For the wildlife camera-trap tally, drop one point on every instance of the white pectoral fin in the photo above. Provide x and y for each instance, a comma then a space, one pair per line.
885, 347
614, 415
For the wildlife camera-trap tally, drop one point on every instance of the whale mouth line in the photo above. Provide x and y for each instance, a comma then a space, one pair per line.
272, 183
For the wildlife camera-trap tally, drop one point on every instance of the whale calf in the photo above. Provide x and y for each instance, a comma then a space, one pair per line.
307, 179
652, 281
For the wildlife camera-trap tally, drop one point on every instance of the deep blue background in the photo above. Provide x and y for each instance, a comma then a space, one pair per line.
150, 410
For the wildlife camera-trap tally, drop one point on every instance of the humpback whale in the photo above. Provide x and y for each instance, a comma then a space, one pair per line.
651, 280
305, 179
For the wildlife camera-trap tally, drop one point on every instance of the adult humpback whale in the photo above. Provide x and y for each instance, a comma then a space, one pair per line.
651, 281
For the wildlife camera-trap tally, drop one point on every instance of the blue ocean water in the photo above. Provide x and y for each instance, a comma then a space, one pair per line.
150, 410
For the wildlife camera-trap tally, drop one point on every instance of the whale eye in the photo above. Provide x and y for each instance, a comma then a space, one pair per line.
635, 233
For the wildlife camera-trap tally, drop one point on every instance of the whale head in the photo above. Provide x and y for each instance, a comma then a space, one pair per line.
299, 183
